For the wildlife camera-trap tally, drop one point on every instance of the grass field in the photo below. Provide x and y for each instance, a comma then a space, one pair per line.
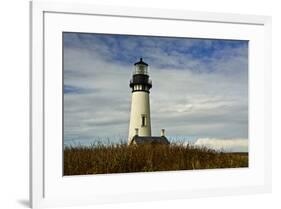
121, 158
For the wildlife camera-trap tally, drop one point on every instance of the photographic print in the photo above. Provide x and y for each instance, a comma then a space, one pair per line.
136, 103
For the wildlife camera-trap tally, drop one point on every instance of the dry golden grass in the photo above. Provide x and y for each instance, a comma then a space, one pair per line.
123, 159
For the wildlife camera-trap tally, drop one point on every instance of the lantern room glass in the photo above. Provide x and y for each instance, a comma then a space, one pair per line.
141, 69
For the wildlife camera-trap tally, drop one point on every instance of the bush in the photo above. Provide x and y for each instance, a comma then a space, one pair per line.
120, 158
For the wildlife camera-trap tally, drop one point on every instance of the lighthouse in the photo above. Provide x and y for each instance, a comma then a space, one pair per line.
140, 106
140, 123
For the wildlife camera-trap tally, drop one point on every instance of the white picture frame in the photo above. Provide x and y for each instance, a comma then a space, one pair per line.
47, 185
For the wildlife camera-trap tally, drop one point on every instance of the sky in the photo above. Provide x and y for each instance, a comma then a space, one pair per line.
199, 88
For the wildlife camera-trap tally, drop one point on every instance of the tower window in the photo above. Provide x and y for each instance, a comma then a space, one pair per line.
143, 120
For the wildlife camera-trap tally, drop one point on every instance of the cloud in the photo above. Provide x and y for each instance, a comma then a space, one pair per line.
232, 145
200, 87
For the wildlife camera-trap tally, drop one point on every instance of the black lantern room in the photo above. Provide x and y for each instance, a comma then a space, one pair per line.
140, 80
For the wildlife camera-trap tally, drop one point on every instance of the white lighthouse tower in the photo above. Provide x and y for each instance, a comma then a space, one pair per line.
140, 123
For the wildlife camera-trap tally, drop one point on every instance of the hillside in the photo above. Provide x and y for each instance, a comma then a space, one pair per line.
121, 158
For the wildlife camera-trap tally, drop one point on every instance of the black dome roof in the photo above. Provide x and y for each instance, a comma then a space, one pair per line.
141, 62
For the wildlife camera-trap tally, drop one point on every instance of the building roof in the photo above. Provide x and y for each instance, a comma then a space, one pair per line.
141, 62
150, 140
